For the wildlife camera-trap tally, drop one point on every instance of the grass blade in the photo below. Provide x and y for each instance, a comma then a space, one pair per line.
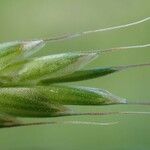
53, 65
50, 101
88, 74
78, 95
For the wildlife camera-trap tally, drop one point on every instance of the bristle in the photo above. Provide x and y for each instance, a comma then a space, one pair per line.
75, 122
70, 36
107, 113
119, 68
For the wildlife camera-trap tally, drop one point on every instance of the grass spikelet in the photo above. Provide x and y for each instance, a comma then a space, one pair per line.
27, 86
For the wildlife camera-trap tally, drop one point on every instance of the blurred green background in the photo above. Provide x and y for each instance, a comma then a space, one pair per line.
32, 19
